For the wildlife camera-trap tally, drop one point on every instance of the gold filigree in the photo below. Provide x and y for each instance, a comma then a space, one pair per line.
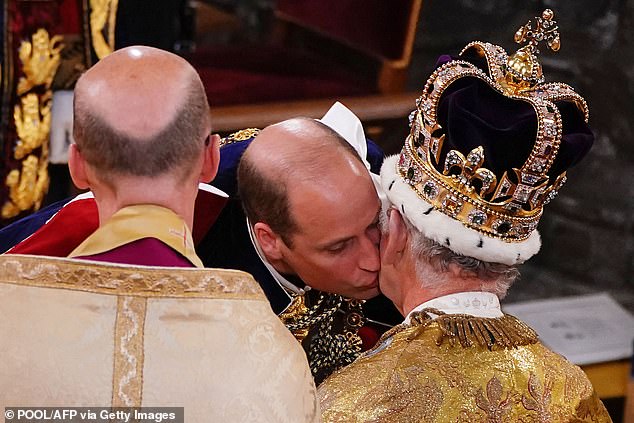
495, 403
127, 384
296, 310
40, 59
539, 397
241, 135
493, 333
523, 69
409, 376
115, 279
102, 13
507, 206
32, 123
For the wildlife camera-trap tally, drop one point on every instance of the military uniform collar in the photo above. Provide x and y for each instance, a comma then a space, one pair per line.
289, 288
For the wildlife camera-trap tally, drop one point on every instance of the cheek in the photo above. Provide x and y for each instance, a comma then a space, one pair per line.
343, 267
385, 286
374, 234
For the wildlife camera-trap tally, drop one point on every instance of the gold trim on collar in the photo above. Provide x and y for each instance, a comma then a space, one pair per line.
117, 279
499, 332
465, 330
136, 222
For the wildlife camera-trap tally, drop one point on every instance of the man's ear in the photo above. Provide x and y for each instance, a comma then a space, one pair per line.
393, 244
211, 160
77, 168
269, 241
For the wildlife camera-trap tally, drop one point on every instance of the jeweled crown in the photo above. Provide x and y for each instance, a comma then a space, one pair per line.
509, 204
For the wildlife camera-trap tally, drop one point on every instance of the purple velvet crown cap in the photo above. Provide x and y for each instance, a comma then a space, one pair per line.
474, 114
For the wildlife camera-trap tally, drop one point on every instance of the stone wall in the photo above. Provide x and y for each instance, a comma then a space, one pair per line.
588, 231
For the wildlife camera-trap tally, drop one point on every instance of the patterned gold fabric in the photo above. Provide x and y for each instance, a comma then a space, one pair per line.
460, 369
81, 333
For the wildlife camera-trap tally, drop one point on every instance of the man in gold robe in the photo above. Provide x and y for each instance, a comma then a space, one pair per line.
455, 226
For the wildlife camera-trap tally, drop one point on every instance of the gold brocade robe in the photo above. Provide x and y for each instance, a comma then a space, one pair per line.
77, 333
460, 368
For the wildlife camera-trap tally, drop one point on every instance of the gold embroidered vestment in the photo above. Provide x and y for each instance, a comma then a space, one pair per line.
460, 369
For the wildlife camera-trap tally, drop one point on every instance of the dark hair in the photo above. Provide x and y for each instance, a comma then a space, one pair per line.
174, 147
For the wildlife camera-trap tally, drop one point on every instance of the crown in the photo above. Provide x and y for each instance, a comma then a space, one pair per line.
504, 203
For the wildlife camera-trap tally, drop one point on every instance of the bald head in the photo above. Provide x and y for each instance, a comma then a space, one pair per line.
140, 111
300, 148
286, 158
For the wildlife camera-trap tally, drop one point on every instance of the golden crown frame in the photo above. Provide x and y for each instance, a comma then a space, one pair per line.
508, 209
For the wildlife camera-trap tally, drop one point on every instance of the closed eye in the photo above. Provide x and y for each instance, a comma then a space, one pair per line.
338, 247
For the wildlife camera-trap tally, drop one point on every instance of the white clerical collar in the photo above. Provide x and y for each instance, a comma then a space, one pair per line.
479, 304
281, 280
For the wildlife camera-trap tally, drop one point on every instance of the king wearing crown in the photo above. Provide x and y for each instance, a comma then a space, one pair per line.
489, 147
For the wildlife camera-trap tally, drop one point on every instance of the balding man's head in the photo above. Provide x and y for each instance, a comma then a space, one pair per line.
284, 155
140, 111
313, 207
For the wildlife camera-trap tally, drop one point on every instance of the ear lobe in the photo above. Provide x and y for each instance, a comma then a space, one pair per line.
211, 160
77, 168
269, 241
394, 243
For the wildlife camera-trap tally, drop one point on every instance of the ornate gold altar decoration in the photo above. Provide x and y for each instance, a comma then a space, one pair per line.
40, 59
103, 13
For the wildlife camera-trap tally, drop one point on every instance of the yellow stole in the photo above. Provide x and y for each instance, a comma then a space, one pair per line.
137, 222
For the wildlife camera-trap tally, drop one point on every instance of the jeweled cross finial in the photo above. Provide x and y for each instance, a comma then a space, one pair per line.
523, 71
545, 29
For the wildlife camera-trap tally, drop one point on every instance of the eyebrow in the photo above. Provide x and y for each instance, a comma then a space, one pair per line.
332, 243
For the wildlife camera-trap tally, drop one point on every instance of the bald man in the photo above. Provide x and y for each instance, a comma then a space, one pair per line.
311, 240
338, 274
142, 145
312, 207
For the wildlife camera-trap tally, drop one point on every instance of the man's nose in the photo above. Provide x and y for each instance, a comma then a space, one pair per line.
369, 259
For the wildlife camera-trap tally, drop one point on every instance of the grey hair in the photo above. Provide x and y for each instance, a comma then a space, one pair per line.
433, 261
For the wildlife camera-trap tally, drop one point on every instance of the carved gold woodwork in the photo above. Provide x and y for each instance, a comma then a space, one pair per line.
40, 60
28, 184
102, 13
32, 123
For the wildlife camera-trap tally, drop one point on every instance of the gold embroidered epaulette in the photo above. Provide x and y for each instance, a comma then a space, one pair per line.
467, 331
241, 135
501, 332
